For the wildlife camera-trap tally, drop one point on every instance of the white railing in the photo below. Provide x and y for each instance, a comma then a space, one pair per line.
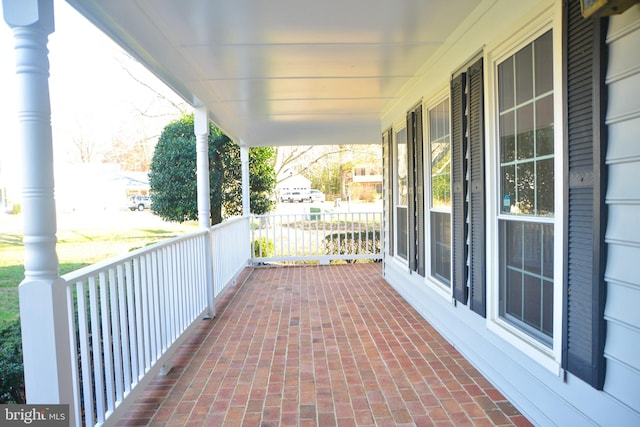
316, 236
127, 316
230, 251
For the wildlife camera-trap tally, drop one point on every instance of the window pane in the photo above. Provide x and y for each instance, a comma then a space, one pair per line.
543, 51
401, 167
507, 137
506, 82
525, 132
526, 287
401, 232
544, 126
547, 249
525, 188
533, 149
524, 74
547, 308
440, 156
532, 248
544, 187
441, 246
508, 188
401, 193
532, 301
513, 239
514, 293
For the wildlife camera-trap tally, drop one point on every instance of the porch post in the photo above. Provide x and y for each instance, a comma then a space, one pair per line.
201, 129
43, 303
244, 158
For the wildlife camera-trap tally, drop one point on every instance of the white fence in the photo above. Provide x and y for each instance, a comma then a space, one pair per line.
316, 236
230, 251
127, 316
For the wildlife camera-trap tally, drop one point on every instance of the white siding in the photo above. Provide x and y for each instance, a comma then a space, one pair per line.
622, 347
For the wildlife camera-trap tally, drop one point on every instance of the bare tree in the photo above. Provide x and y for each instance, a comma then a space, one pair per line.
85, 149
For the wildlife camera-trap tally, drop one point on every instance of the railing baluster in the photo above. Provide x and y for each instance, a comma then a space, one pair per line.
164, 315
85, 354
124, 331
145, 319
114, 311
131, 323
107, 341
74, 343
155, 286
96, 345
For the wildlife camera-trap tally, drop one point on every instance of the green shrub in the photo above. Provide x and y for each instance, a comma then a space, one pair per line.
263, 247
11, 370
16, 209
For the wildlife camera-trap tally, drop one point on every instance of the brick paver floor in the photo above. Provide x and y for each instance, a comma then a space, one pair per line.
319, 346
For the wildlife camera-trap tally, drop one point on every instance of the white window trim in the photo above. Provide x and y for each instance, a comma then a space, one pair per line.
440, 288
548, 18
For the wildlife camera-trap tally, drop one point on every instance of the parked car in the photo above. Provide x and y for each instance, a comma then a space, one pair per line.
139, 203
295, 196
317, 195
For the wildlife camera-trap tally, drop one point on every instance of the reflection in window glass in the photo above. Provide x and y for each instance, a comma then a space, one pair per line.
401, 192
526, 130
440, 149
401, 167
527, 285
527, 183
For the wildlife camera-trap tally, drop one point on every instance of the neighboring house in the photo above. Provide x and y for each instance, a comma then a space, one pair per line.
366, 179
294, 182
511, 155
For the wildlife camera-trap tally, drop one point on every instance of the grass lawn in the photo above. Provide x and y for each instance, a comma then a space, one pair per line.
76, 248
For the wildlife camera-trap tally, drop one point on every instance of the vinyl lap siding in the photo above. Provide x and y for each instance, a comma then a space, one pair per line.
622, 311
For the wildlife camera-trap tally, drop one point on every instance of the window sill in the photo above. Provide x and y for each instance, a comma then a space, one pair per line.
537, 351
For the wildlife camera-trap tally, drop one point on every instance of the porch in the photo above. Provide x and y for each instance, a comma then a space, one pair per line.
318, 345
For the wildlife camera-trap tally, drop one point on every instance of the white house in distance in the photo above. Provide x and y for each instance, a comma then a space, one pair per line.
293, 182
510, 133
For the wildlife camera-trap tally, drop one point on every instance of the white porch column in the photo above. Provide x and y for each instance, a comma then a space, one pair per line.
246, 203
201, 129
43, 304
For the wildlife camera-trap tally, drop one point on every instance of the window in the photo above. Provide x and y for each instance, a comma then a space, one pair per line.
401, 193
440, 206
526, 160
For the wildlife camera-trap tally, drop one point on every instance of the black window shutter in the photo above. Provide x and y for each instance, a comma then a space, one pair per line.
419, 183
387, 158
411, 184
459, 187
477, 196
584, 56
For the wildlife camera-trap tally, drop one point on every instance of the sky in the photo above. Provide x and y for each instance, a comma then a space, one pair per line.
93, 97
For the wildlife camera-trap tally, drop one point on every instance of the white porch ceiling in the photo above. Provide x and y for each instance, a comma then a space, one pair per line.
283, 72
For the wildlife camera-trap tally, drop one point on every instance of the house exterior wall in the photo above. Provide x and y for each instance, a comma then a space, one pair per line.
531, 375
622, 346
294, 182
